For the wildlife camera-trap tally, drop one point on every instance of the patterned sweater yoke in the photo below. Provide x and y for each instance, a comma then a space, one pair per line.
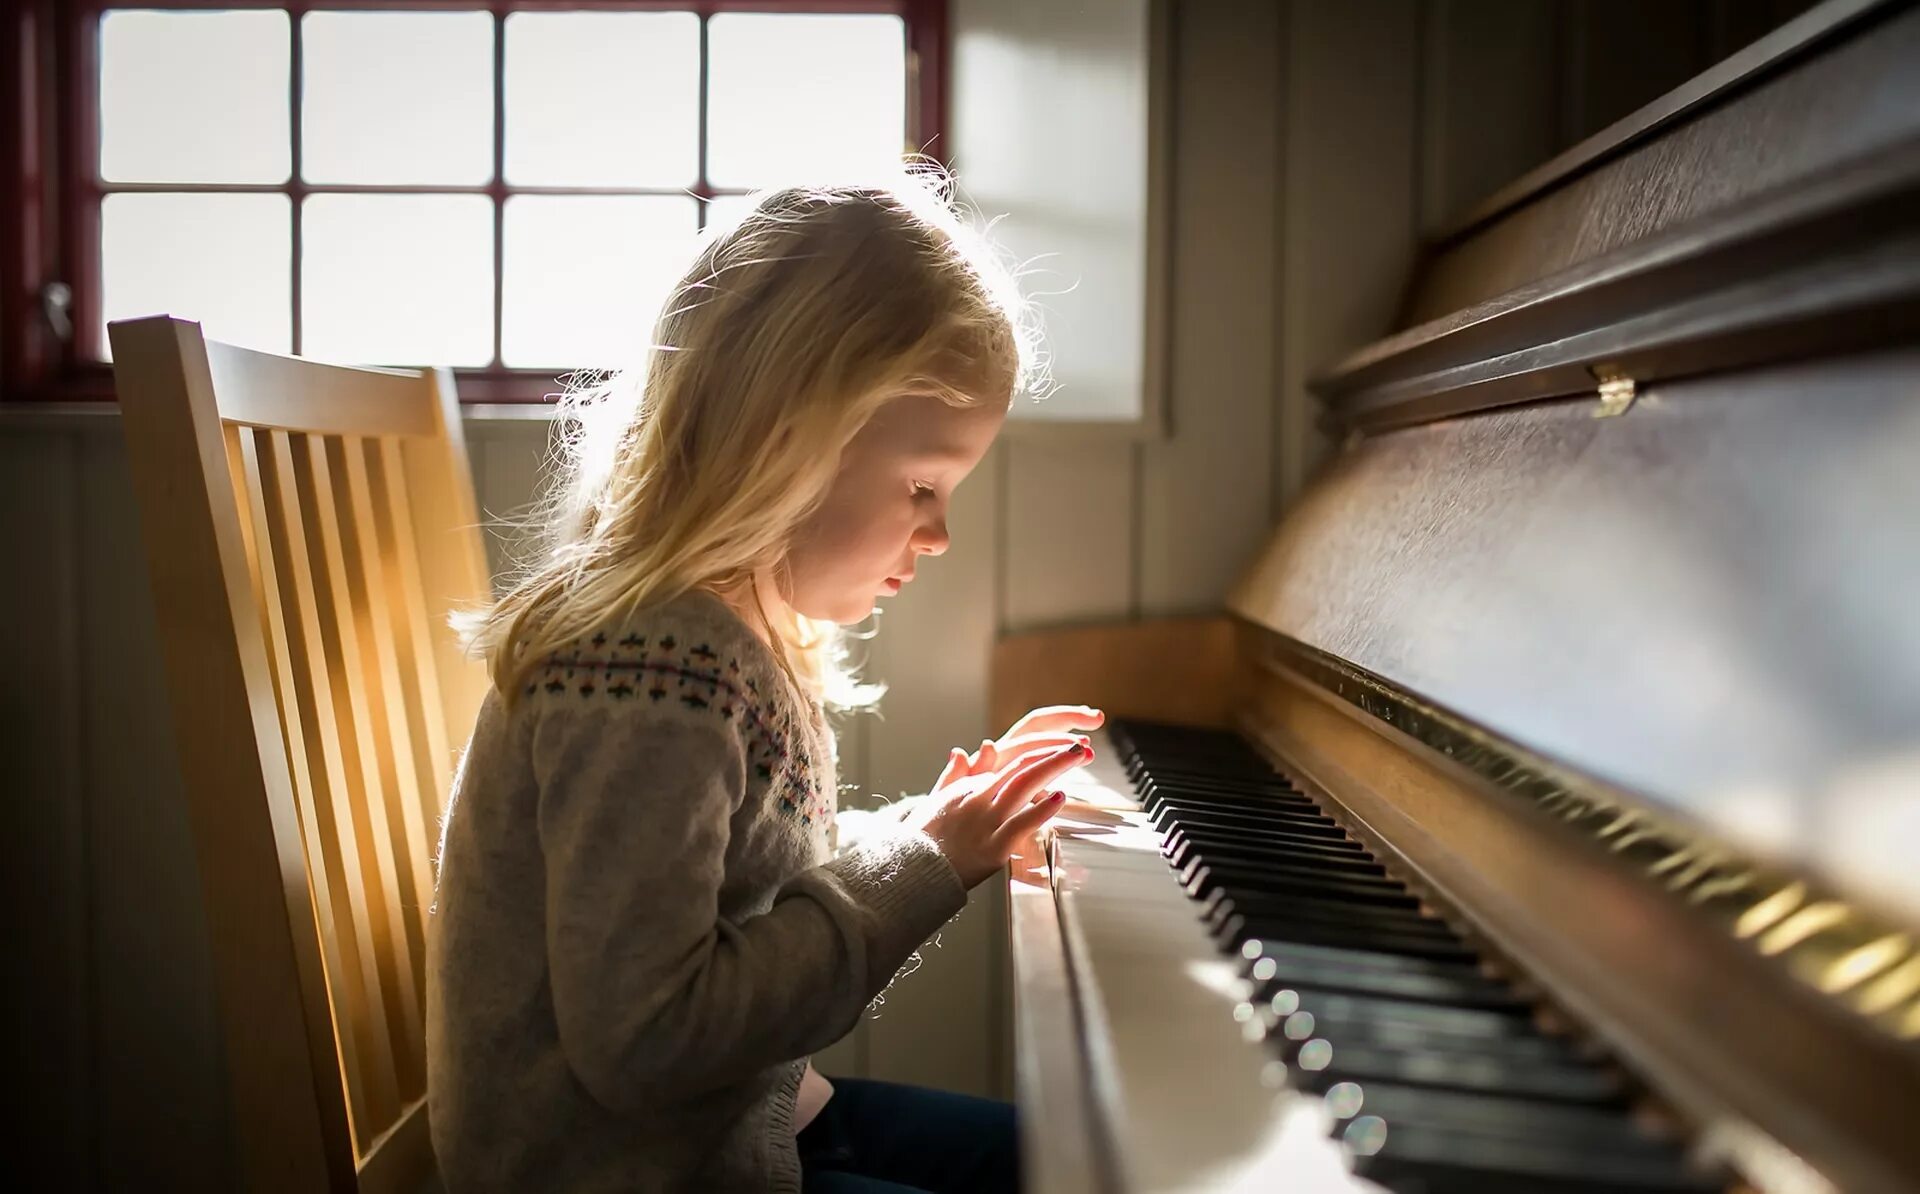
640, 930
787, 742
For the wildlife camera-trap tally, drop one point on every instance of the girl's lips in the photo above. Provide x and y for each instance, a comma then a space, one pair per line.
892, 584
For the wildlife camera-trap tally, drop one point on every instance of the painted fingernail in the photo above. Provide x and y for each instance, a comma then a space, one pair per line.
1056, 798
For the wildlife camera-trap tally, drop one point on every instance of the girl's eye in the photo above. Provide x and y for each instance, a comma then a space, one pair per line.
922, 490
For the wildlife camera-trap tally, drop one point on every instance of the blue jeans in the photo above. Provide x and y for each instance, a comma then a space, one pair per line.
886, 1138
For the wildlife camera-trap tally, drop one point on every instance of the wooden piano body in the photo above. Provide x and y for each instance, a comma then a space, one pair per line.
1601, 631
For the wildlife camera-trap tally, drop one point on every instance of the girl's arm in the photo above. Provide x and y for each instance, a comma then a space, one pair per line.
657, 997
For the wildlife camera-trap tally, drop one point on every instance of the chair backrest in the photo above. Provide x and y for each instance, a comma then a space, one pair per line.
308, 529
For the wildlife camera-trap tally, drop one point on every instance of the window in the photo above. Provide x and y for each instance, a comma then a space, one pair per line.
506, 187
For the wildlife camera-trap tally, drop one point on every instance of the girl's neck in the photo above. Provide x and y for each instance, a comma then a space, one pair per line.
751, 603
751, 606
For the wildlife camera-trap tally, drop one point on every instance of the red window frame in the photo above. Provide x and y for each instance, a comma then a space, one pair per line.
50, 190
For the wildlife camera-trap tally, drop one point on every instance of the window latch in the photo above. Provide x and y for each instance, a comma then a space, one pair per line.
56, 307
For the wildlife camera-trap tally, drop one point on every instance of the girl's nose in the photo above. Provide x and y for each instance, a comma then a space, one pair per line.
932, 539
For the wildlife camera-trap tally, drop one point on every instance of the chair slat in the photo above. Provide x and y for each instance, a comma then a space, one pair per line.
394, 516
264, 389
374, 1096
410, 773
453, 562
367, 751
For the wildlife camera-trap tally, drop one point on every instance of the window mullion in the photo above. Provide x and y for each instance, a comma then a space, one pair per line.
702, 189
296, 189
498, 189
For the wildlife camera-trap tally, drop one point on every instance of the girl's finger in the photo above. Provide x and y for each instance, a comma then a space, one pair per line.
1028, 819
956, 767
1022, 776
1018, 785
1057, 719
1011, 751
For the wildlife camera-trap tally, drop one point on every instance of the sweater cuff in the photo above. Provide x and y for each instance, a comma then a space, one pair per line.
907, 883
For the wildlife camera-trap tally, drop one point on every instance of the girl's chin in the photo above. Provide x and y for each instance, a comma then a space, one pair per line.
851, 612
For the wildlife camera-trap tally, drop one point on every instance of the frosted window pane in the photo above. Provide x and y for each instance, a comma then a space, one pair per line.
398, 97
398, 279
194, 97
223, 260
603, 99
724, 211
804, 96
586, 276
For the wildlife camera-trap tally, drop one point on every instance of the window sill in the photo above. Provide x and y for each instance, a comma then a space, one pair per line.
505, 396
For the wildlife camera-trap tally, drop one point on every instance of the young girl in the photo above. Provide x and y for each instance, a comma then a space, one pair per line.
644, 924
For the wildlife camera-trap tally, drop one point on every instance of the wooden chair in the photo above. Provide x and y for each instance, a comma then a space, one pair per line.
308, 529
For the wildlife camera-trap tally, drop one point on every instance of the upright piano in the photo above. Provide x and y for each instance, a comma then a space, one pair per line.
1544, 812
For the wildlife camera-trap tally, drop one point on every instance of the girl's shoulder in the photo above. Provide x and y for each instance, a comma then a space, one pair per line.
689, 656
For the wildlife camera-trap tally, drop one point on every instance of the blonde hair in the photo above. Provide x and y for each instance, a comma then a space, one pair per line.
787, 334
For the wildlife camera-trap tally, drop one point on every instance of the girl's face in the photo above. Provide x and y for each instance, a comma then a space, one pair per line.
888, 505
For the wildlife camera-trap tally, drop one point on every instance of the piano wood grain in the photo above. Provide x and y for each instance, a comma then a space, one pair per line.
1756, 130
1706, 601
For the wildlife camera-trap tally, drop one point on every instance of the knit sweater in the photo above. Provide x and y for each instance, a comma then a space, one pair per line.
641, 930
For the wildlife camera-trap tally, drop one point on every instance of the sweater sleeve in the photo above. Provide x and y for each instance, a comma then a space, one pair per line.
657, 997
852, 826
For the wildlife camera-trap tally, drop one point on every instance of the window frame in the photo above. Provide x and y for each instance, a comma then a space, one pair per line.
50, 194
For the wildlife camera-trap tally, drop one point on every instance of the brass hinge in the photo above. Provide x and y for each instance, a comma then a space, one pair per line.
1617, 392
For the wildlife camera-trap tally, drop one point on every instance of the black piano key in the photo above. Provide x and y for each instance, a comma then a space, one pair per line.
1283, 910
1467, 991
1186, 852
1268, 789
1394, 1033
1309, 823
1323, 1062
1233, 932
1187, 804
1277, 836
1233, 935
1204, 878
1282, 999
1296, 832
1238, 872
1250, 873
1219, 804
1229, 755
1247, 781
1257, 778
1414, 1159
1566, 1124
1283, 958
1242, 796
1192, 849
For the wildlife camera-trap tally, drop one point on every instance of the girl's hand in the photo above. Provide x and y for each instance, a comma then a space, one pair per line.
1040, 731
978, 824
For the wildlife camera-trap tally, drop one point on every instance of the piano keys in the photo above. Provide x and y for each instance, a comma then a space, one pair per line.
1433, 1072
